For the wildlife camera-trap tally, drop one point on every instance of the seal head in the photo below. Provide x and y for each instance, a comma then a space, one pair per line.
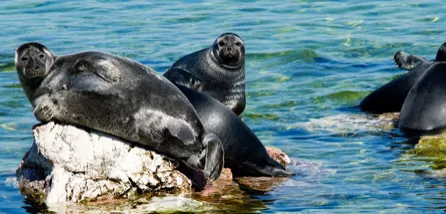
229, 50
33, 62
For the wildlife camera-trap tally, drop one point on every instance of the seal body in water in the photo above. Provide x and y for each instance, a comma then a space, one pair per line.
390, 97
244, 153
121, 97
424, 109
218, 71
33, 62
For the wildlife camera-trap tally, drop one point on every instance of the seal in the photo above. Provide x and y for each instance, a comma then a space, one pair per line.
33, 62
244, 153
424, 108
390, 97
123, 98
218, 71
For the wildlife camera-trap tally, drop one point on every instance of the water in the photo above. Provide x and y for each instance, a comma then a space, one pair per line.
305, 60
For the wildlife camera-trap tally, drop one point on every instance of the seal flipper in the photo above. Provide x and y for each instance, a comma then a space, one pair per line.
272, 168
214, 156
183, 78
441, 53
408, 61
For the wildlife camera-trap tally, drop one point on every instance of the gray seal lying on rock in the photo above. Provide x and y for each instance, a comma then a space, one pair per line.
122, 97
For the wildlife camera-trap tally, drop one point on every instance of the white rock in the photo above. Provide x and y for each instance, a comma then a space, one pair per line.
69, 164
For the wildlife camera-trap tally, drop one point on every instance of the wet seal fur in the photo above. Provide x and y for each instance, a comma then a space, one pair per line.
390, 97
244, 153
122, 97
218, 71
424, 110
33, 62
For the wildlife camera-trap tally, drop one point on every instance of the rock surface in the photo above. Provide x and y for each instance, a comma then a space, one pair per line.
69, 164
72, 165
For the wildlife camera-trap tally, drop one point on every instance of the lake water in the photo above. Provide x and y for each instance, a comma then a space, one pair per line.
305, 60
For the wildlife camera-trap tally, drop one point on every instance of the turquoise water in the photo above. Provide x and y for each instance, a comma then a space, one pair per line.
305, 59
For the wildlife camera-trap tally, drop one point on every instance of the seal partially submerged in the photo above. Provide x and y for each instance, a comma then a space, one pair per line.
33, 62
121, 97
218, 71
390, 97
425, 107
244, 153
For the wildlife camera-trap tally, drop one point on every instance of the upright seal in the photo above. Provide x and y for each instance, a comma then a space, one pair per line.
390, 97
33, 62
122, 97
218, 71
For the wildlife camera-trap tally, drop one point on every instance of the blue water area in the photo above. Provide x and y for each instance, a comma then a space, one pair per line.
305, 60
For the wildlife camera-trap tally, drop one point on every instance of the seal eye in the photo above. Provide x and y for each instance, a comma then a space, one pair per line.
81, 66
41, 56
221, 43
23, 59
238, 44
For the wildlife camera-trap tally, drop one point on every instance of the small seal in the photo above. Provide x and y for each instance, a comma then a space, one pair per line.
33, 62
390, 97
218, 71
425, 107
244, 153
122, 97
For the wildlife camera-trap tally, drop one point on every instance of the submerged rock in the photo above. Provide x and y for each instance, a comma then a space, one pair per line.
352, 123
69, 164
432, 149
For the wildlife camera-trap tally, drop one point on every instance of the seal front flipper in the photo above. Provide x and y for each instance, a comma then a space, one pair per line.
43, 113
45, 109
214, 156
182, 77
408, 61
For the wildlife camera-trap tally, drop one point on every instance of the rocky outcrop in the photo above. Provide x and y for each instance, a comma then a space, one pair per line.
70, 164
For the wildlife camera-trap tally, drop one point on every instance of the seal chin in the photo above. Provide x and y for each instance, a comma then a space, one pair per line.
230, 60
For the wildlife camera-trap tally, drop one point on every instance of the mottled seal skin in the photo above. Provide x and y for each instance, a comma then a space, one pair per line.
424, 109
390, 97
121, 97
244, 153
218, 71
33, 62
